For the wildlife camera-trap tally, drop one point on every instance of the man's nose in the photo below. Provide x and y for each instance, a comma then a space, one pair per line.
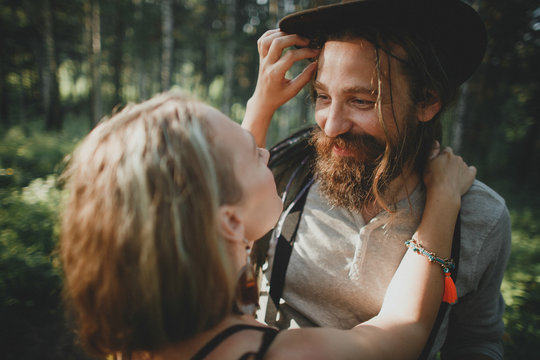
336, 122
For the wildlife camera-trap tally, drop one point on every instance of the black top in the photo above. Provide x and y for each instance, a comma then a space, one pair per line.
268, 337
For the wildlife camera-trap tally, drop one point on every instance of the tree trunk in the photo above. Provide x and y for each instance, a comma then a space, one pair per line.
50, 94
4, 120
229, 59
273, 10
118, 51
94, 29
207, 68
167, 22
529, 161
459, 121
140, 53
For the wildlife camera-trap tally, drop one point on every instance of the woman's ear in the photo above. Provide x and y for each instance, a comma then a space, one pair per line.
430, 107
231, 225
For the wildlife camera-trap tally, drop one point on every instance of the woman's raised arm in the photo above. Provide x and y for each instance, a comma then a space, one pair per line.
273, 88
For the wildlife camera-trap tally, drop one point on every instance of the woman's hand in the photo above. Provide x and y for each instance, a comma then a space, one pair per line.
447, 173
273, 88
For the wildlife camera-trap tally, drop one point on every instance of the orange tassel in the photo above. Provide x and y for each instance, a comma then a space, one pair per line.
450, 292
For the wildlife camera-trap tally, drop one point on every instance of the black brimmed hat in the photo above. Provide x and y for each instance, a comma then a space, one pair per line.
455, 30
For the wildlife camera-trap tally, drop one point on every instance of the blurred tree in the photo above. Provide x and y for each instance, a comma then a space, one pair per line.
167, 22
18, 73
501, 131
5, 28
51, 99
93, 28
229, 59
210, 24
35, 39
121, 8
144, 45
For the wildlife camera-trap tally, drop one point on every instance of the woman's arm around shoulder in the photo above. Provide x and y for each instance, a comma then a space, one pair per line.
414, 295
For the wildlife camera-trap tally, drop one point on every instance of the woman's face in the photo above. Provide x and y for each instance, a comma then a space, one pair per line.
260, 206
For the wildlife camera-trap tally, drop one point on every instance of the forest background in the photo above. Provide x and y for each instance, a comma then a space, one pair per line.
66, 63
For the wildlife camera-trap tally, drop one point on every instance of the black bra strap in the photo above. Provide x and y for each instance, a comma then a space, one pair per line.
267, 340
222, 336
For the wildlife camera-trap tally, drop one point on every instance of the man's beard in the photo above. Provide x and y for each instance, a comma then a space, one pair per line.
347, 181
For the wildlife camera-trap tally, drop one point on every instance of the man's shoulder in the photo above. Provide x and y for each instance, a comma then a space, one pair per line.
483, 200
482, 211
292, 148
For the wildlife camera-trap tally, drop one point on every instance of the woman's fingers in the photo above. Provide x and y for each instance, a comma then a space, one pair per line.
471, 175
296, 84
292, 56
435, 151
449, 172
264, 42
278, 43
273, 42
279, 69
448, 150
273, 89
274, 62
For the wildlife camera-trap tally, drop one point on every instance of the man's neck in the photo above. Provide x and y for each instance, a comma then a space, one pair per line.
400, 188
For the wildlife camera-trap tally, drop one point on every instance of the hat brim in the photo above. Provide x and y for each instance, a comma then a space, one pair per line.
455, 30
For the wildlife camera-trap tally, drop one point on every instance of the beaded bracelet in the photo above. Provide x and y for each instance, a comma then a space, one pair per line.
447, 264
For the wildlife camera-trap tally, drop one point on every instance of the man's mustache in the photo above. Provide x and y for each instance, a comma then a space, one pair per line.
363, 146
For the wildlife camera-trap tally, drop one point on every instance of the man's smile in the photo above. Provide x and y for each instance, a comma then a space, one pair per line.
342, 151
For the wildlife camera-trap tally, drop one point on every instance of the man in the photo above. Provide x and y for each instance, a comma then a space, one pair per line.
385, 72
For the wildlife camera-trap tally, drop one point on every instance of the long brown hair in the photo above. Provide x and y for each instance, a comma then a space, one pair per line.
144, 263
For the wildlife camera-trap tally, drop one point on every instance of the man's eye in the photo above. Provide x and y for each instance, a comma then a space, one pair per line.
363, 102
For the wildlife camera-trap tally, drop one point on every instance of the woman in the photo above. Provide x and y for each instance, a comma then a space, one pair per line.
166, 198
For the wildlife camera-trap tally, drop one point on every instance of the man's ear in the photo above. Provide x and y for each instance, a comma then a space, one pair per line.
231, 225
430, 107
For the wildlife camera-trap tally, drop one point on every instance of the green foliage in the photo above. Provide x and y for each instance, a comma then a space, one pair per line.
30, 281
27, 153
33, 324
521, 286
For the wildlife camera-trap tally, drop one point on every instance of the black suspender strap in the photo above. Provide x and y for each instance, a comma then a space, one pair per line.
285, 234
445, 307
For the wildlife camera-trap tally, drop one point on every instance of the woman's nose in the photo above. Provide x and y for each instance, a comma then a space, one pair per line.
265, 154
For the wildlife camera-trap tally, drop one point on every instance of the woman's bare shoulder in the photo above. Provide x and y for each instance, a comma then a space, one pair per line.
313, 344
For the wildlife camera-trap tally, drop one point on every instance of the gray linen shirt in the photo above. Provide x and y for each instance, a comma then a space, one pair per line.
340, 268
